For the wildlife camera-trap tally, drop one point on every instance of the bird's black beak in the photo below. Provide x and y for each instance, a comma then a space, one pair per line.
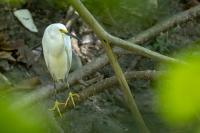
71, 35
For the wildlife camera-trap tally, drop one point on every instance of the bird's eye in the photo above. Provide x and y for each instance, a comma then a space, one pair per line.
63, 31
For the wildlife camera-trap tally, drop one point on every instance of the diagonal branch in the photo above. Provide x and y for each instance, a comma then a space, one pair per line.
130, 101
108, 83
106, 40
163, 26
102, 34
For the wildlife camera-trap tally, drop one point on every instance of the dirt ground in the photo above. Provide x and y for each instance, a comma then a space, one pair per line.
104, 112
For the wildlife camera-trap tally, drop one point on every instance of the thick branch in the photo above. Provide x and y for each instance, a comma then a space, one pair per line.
166, 24
108, 83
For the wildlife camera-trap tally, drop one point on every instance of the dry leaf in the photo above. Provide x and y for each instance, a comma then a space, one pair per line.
7, 56
25, 56
25, 17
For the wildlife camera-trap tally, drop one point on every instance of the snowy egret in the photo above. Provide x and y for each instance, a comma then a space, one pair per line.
57, 50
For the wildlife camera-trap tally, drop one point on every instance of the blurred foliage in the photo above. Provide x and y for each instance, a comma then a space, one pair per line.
126, 18
12, 2
57, 4
32, 119
18, 121
179, 90
62, 4
123, 17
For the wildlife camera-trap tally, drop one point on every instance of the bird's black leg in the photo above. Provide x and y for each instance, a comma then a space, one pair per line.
54, 84
67, 85
55, 90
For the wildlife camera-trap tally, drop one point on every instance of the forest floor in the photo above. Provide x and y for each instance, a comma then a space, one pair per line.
104, 112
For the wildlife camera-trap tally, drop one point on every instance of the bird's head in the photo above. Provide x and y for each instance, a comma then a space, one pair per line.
63, 30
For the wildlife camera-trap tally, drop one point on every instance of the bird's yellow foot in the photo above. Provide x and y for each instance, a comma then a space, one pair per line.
71, 97
56, 107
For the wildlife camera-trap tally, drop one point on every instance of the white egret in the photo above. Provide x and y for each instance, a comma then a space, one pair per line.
57, 50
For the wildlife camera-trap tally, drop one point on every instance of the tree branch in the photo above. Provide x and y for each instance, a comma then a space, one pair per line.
108, 83
106, 39
130, 101
102, 34
46, 91
163, 26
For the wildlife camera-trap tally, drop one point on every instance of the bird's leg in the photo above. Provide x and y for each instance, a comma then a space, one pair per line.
56, 103
54, 84
66, 84
56, 107
71, 97
55, 90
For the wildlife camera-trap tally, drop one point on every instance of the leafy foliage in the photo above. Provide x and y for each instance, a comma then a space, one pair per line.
18, 121
123, 17
12, 2
178, 90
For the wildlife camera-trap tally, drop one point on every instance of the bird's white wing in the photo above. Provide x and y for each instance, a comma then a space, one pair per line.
68, 49
46, 53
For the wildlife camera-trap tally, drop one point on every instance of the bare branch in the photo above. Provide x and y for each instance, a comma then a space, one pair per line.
108, 83
163, 26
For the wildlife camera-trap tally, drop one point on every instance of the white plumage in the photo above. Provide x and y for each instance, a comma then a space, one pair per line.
57, 51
